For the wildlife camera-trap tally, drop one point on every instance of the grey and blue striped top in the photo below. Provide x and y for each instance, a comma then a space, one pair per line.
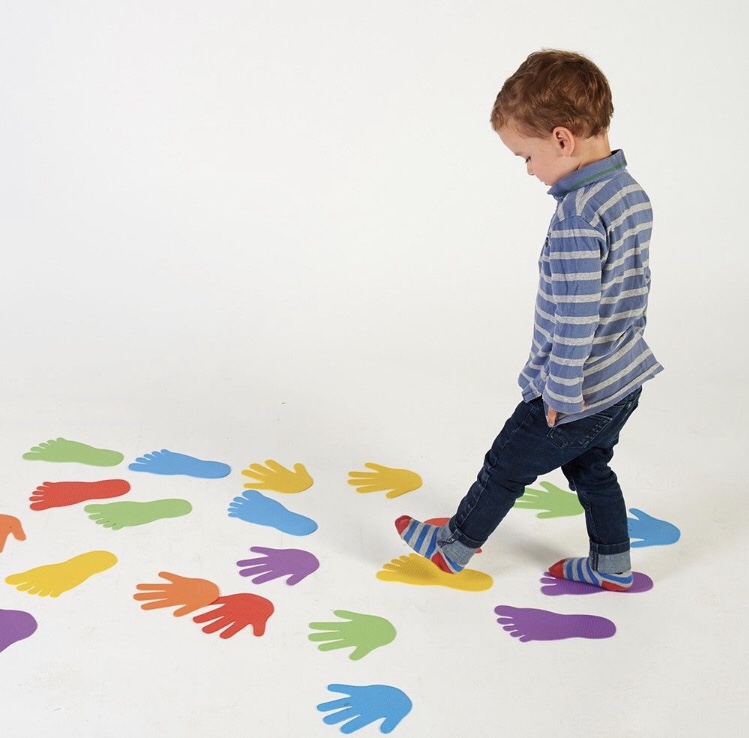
588, 348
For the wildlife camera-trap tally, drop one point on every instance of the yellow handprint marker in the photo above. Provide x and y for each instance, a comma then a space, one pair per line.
278, 478
54, 579
395, 482
415, 569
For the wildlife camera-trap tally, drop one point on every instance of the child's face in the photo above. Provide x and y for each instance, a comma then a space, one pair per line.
549, 159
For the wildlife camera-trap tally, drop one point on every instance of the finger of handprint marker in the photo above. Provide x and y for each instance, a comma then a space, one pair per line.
395, 482
363, 633
442, 522
415, 569
529, 624
551, 500
10, 526
275, 563
52, 580
365, 705
15, 625
63, 450
184, 593
277, 478
235, 612
61, 494
118, 515
169, 463
255, 507
645, 530
554, 587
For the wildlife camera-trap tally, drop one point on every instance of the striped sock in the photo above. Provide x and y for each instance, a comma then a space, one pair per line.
423, 538
580, 570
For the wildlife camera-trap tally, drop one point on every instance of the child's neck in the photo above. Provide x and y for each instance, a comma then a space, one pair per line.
590, 150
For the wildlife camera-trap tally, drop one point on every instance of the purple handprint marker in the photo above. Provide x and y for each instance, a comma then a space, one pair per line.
529, 624
553, 586
275, 563
15, 625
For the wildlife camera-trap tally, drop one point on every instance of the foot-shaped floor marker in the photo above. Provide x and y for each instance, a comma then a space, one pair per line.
15, 625
168, 462
415, 569
116, 515
255, 507
61, 450
529, 624
553, 586
61, 494
52, 580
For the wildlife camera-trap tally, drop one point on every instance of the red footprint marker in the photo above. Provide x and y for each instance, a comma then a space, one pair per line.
61, 494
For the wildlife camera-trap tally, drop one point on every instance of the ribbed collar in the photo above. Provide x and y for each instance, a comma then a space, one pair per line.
595, 172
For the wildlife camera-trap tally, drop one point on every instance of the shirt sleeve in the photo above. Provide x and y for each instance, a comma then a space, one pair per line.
574, 281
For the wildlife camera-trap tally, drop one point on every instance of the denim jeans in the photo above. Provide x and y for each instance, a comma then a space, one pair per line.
527, 448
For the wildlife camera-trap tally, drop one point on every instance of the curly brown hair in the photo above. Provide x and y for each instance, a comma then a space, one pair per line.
555, 88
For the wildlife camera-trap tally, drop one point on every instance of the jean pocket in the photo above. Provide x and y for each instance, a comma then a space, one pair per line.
579, 433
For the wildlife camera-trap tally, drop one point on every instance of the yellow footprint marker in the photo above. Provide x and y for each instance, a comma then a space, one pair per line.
395, 482
277, 478
52, 580
415, 569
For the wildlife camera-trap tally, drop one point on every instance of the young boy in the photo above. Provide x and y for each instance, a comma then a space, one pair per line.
588, 358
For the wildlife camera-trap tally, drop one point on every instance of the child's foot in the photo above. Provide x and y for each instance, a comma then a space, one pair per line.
580, 570
424, 539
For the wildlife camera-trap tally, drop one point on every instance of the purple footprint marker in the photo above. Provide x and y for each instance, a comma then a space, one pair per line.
15, 625
275, 563
554, 587
529, 624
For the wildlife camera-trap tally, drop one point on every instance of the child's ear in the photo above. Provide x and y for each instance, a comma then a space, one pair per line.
564, 139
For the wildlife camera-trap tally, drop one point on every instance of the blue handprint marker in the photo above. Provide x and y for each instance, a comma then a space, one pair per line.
645, 530
365, 705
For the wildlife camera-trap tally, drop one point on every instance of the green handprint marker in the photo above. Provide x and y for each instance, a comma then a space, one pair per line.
362, 632
551, 500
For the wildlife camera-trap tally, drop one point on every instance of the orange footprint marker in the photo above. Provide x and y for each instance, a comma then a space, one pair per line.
61, 494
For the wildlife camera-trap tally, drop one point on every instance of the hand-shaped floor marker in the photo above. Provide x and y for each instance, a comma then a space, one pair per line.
184, 593
361, 632
277, 478
274, 563
415, 569
365, 705
61, 494
63, 450
117, 515
255, 507
553, 586
552, 501
395, 482
10, 526
235, 612
15, 625
170, 463
528, 624
54, 579
649, 531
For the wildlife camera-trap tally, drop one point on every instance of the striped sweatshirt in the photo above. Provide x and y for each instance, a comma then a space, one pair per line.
588, 348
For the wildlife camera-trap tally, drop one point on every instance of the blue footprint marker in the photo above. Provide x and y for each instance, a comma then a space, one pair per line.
365, 705
255, 507
168, 462
645, 530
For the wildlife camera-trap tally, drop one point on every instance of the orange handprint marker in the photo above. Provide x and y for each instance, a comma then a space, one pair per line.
10, 526
185, 593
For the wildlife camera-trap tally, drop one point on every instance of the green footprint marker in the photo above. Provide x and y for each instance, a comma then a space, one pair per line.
551, 500
116, 515
62, 450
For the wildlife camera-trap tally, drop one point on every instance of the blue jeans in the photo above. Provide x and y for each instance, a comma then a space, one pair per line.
527, 448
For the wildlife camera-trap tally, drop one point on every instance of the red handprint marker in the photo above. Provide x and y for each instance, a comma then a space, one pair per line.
236, 612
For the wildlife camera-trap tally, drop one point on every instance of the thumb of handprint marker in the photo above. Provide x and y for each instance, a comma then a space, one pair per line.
255, 507
645, 530
184, 593
10, 526
395, 482
277, 478
61, 494
15, 625
63, 450
551, 500
528, 624
170, 463
415, 569
274, 563
118, 515
361, 632
554, 587
235, 612
54, 579
365, 705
